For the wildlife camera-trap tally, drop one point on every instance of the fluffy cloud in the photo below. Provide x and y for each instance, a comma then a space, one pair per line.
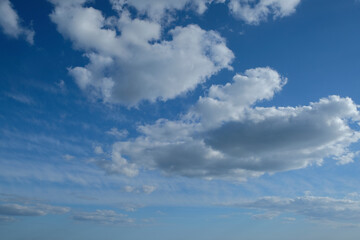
254, 11
30, 210
158, 8
315, 208
10, 22
129, 59
103, 217
225, 136
118, 164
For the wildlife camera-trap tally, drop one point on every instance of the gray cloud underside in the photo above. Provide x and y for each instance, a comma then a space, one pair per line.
224, 136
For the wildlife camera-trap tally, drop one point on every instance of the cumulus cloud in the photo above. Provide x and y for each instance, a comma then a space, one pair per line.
118, 164
102, 217
157, 9
31, 210
255, 11
224, 135
129, 59
315, 208
11, 23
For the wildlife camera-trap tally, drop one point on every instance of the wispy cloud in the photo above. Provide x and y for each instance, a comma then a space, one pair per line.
103, 217
320, 209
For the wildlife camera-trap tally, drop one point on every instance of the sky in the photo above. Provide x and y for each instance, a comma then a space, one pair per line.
179, 119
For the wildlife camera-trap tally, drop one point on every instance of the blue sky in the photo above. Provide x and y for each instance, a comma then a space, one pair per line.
179, 119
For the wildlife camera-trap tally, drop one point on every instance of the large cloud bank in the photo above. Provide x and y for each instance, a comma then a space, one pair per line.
224, 135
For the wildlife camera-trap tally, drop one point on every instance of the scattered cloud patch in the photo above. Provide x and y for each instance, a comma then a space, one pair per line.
118, 164
102, 217
6, 219
254, 11
315, 208
98, 150
10, 23
118, 133
31, 210
148, 189
159, 9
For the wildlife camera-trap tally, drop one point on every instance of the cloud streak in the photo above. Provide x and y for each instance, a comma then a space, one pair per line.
314, 208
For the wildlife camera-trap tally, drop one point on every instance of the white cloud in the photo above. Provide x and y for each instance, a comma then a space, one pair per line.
158, 9
11, 23
118, 133
315, 208
98, 150
225, 136
254, 11
118, 164
138, 64
103, 217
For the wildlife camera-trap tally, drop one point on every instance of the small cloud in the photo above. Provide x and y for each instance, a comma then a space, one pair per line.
98, 150
6, 219
289, 219
21, 98
265, 216
61, 85
68, 157
102, 217
118, 133
31, 210
129, 189
148, 189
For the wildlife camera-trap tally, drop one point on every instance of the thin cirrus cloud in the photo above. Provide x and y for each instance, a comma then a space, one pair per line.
10, 23
31, 210
102, 217
315, 208
138, 64
225, 136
